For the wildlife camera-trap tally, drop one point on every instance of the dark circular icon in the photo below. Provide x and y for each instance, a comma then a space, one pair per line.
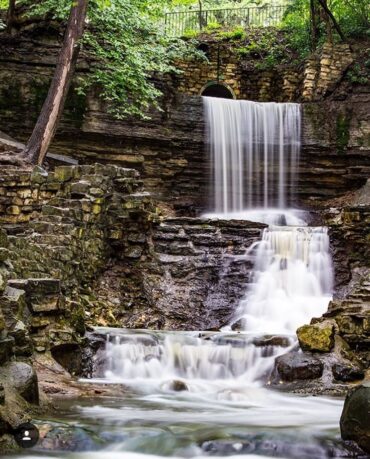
26, 435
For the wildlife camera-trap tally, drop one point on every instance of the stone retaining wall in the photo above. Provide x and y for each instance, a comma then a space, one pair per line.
321, 73
50, 261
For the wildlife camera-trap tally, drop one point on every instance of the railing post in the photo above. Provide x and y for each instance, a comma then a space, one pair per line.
200, 16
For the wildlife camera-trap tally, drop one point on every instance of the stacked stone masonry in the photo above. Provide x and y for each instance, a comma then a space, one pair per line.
50, 260
320, 75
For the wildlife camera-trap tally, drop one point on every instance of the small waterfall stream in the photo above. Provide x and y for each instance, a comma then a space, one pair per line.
292, 279
196, 358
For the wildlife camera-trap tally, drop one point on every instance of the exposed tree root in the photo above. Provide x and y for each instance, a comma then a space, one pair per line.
15, 158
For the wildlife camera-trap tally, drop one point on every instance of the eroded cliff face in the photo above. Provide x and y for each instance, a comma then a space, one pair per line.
169, 150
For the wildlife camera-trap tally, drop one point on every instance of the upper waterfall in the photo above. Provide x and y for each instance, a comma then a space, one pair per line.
254, 151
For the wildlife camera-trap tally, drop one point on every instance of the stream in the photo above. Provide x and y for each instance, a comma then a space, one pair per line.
190, 395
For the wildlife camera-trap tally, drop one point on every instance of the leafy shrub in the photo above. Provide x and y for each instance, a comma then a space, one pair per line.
190, 33
238, 33
212, 26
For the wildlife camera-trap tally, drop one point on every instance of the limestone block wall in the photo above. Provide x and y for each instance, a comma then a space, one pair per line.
221, 65
22, 195
323, 72
50, 261
320, 74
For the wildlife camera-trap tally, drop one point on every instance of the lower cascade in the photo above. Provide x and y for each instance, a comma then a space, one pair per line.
167, 356
292, 279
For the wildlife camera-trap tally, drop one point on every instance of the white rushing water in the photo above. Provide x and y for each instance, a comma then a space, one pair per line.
254, 154
159, 358
292, 279
254, 150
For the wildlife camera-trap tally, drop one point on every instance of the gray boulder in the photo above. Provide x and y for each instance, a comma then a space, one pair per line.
297, 366
355, 419
23, 378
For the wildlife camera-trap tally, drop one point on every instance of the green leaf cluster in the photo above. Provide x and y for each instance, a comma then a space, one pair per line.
353, 16
126, 45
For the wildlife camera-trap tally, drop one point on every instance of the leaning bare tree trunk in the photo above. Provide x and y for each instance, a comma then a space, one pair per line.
325, 7
51, 111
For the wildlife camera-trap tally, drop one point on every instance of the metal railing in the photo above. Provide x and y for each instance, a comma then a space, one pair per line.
186, 22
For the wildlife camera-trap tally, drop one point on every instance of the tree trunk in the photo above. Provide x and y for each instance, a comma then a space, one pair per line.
314, 25
325, 7
10, 16
51, 111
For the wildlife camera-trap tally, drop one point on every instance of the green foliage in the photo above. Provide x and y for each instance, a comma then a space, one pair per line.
238, 33
359, 73
212, 26
353, 16
296, 25
191, 33
126, 48
265, 49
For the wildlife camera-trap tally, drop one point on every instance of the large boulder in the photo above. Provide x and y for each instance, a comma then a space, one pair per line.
22, 377
295, 366
355, 419
317, 337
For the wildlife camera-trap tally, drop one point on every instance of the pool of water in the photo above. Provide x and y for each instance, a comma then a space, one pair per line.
221, 418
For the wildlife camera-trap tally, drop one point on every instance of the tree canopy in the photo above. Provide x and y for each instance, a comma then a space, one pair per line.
126, 44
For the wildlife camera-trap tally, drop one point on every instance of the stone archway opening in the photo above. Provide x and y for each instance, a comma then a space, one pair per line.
216, 89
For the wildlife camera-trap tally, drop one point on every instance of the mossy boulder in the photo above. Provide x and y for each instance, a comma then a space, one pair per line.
317, 337
355, 419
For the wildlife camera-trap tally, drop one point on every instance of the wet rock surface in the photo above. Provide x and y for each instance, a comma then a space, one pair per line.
268, 445
192, 264
355, 419
348, 372
298, 366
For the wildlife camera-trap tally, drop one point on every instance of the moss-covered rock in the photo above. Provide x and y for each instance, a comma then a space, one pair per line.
355, 419
316, 337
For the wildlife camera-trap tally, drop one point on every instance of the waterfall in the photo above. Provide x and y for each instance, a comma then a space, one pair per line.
292, 279
254, 156
164, 357
254, 151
